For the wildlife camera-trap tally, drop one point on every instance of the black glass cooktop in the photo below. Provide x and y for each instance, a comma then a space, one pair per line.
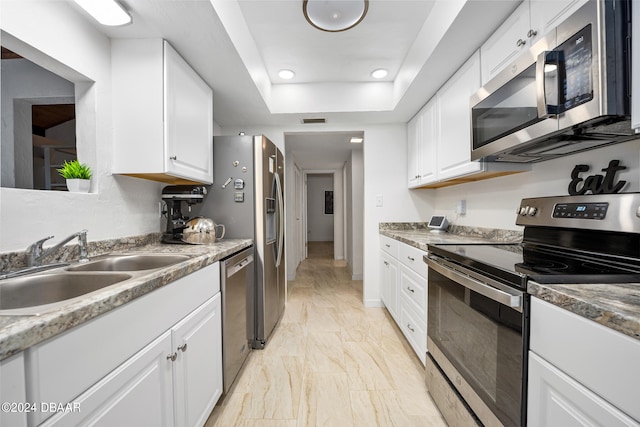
516, 263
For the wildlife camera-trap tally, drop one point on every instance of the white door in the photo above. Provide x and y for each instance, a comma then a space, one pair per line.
299, 201
197, 344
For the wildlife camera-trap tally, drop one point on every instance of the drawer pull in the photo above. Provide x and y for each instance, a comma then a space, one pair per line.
410, 290
183, 347
387, 245
386, 263
172, 357
410, 328
411, 259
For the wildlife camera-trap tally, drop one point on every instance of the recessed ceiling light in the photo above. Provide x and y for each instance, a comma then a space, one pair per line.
286, 74
356, 140
380, 73
106, 12
334, 15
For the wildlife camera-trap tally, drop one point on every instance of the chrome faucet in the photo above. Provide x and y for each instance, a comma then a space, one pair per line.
36, 253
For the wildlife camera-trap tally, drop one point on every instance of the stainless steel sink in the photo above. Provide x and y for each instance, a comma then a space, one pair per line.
43, 289
136, 262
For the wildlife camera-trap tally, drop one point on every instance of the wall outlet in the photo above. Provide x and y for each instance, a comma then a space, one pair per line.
379, 201
461, 207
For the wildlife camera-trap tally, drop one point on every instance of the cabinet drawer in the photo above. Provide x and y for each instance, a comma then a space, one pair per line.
415, 331
603, 360
413, 291
412, 257
389, 245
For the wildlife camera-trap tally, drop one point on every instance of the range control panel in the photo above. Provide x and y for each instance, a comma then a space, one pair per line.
580, 210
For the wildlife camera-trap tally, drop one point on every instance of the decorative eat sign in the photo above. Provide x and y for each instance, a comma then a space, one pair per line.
597, 184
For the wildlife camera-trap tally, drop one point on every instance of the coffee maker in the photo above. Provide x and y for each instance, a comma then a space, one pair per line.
174, 196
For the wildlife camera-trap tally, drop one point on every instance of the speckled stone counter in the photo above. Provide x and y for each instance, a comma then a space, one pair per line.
18, 333
616, 306
419, 236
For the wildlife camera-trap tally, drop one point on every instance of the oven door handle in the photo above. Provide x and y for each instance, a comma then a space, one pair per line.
463, 277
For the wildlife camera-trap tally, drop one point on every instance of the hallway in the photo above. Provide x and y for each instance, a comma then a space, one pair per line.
331, 362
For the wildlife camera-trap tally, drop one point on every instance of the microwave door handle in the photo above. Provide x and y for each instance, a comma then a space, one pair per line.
549, 69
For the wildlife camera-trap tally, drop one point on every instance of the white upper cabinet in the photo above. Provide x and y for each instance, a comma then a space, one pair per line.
163, 114
454, 114
526, 25
506, 43
414, 133
421, 155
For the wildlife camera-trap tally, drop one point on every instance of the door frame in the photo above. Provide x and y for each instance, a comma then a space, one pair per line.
306, 173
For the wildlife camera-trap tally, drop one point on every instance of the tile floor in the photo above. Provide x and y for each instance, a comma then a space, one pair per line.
331, 362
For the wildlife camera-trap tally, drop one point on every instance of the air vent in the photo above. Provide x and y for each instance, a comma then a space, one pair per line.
314, 121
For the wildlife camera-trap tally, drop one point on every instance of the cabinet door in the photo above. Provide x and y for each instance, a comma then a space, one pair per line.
506, 43
555, 399
389, 276
138, 393
414, 134
13, 391
454, 113
428, 143
197, 341
545, 15
188, 120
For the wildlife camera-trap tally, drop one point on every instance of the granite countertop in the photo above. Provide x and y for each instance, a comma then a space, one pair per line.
18, 333
419, 236
616, 306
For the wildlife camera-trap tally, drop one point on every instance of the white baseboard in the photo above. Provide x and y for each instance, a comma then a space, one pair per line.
357, 276
373, 303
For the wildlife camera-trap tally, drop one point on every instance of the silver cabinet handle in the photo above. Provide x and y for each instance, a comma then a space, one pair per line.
532, 33
520, 43
411, 259
410, 328
410, 290
386, 263
172, 357
173, 158
387, 245
183, 347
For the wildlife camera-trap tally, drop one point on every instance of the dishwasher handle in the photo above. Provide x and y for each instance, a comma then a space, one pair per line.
239, 265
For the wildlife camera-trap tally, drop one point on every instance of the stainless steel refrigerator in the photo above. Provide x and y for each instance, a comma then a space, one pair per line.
247, 198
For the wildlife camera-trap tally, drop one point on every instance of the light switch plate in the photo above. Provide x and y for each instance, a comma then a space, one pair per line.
379, 201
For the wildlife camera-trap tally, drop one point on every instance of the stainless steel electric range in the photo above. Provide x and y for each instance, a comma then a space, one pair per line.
478, 306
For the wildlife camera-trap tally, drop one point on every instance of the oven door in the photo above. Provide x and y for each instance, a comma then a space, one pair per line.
478, 337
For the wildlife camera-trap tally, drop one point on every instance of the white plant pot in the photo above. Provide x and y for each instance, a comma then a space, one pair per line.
79, 185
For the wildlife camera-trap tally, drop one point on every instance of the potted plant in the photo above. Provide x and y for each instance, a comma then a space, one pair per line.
78, 176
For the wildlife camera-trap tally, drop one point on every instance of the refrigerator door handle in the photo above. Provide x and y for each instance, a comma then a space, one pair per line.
280, 219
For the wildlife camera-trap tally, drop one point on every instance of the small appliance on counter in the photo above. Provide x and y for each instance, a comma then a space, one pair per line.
174, 196
438, 224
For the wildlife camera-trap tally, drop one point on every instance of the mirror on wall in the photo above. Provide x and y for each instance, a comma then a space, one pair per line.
38, 124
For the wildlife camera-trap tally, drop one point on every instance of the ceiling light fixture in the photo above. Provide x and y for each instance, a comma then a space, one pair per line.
286, 74
380, 73
106, 12
356, 140
334, 15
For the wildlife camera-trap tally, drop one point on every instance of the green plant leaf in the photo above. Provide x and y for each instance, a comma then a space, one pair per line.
74, 170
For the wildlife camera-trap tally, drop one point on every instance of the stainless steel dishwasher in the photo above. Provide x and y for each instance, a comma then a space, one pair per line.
237, 282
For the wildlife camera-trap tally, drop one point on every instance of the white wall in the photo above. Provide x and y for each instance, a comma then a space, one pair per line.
492, 203
355, 190
319, 224
55, 36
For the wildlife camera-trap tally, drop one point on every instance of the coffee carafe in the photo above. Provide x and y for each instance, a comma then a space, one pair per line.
174, 196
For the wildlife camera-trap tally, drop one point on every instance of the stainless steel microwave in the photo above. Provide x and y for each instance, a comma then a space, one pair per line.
570, 92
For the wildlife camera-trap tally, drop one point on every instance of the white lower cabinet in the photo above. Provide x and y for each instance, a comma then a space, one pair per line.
404, 290
12, 391
581, 373
119, 364
389, 276
174, 381
556, 399
138, 393
197, 344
